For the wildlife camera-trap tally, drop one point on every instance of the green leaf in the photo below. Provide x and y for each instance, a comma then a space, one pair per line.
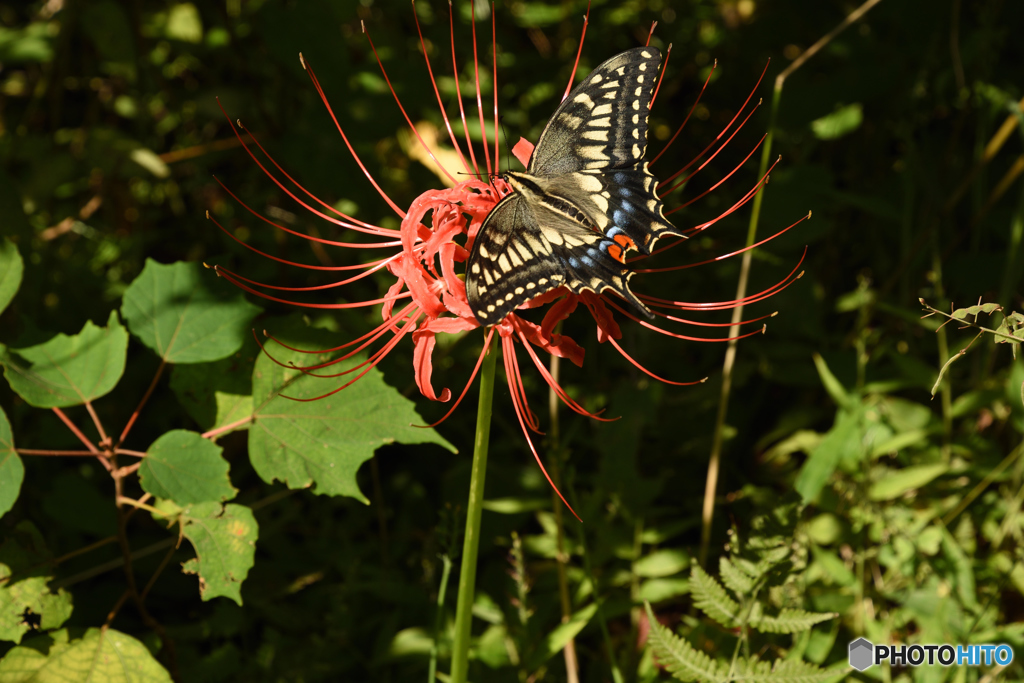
12, 472
24, 567
675, 654
224, 537
100, 656
657, 590
900, 441
738, 581
833, 566
218, 393
831, 383
841, 122
184, 23
897, 482
555, 641
322, 443
711, 599
842, 441
790, 621
11, 270
962, 313
68, 371
661, 563
186, 315
186, 468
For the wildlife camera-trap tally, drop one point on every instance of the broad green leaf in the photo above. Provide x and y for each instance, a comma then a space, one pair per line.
23, 577
224, 538
897, 482
12, 472
218, 393
68, 371
322, 443
711, 599
657, 590
555, 641
839, 123
842, 441
99, 656
491, 647
11, 269
900, 441
185, 314
661, 563
833, 566
186, 468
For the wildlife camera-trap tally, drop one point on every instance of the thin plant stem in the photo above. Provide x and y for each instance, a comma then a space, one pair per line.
714, 462
446, 570
572, 666
474, 510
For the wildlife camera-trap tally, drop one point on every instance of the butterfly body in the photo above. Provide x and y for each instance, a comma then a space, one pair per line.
586, 198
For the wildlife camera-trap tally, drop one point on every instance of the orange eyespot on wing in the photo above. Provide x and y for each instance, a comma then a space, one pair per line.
615, 252
624, 241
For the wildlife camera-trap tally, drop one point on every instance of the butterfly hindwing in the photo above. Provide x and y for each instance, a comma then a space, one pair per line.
603, 122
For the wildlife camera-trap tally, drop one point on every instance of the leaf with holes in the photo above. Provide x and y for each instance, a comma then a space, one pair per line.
186, 315
68, 371
24, 560
186, 468
12, 471
323, 443
99, 655
224, 538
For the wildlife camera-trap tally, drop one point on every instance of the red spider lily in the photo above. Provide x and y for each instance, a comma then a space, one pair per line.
425, 255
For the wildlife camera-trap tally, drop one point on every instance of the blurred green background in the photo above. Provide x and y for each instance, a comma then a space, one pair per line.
110, 141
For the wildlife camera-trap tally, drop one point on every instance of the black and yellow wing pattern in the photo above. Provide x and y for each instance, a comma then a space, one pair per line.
584, 201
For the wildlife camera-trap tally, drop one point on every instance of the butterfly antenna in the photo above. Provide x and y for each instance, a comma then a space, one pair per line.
504, 134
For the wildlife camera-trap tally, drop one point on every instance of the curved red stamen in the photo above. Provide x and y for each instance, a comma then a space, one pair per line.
661, 76
690, 113
458, 91
293, 263
698, 323
710, 158
751, 193
682, 336
512, 366
650, 33
725, 305
648, 372
472, 376
575, 65
479, 100
507, 342
301, 304
724, 256
559, 391
727, 176
494, 88
356, 224
321, 240
437, 94
415, 132
387, 324
314, 288
374, 358
352, 151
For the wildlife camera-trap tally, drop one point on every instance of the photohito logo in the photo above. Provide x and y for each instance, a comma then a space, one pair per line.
863, 654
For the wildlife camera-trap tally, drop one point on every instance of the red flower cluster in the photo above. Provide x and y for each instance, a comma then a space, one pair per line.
426, 267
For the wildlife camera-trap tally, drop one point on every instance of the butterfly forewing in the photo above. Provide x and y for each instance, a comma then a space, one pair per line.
603, 122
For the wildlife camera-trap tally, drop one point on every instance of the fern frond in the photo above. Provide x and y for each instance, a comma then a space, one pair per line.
784, 671
738, 581
680, 658
789, 621
711, 599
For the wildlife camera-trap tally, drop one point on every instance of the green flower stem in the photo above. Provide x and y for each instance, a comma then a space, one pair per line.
471, 544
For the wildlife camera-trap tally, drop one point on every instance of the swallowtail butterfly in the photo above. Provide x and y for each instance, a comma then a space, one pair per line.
585, 200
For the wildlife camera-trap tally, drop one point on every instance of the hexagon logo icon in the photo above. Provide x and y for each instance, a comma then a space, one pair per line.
861, 654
